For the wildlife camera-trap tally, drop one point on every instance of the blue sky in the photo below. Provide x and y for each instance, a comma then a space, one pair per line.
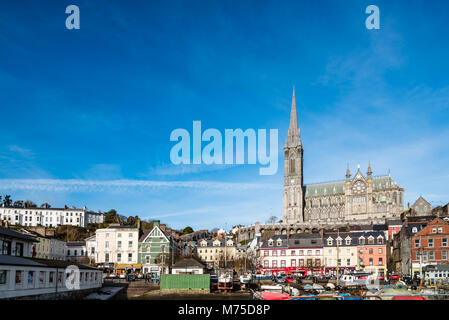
87, 114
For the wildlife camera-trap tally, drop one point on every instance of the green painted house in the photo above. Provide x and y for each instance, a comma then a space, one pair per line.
155, 250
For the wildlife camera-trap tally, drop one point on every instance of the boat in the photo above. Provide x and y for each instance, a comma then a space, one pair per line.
225, 281
269, 295
245, 279
356, 278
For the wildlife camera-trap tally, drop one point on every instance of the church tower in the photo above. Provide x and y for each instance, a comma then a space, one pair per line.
293, 171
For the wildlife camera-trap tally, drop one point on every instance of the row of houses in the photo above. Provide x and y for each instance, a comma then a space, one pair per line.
322, 254
50, 217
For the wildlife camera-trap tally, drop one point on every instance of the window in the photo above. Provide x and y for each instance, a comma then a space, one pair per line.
440, 230
309, 252
361, 241
30, 278
417, 243
119, 257
19, 249
19, 277
301, 252
119, 235
119, 244
130, 235
282, 252
431, 255
130, 244
130, 257
293, 263
380, 240
106, 257
370, 261
107, 234
380, 261
292, 252
275, 253
444, 242
443, 255
282, 263
301, 262
51, 277
266, 253
265, 264
434, 230
317, 252
348, 262
3, 274
348, 241
329, 242
371, 251
430, 243
41, 277
147, 259
339, 262
6, 248
380, 250
275, 264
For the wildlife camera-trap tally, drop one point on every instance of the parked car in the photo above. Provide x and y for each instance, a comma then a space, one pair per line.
131, 277
122, 276
394, 277
289, 279
112, 275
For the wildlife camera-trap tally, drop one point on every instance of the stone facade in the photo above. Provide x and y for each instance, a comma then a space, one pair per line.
358, 198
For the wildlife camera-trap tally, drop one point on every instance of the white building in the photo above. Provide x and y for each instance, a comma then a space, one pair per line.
76, 251
91, 248
94, 217
47, 217
117, 245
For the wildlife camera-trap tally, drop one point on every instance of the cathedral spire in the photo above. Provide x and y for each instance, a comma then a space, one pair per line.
370, 171
348, 173
293, 138
293, 115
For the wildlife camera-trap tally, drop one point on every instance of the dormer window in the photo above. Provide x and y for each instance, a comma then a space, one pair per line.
380, 240
329, 241
361, 240
279, 243
270, 243
414, 229
348, 241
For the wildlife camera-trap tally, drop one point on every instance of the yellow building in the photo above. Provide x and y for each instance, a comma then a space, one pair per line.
215, 252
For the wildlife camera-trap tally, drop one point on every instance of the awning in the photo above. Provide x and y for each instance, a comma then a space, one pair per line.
129, 266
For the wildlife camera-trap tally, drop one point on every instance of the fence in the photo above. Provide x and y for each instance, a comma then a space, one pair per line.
185, 282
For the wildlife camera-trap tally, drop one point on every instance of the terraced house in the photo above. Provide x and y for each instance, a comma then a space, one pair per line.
155, 250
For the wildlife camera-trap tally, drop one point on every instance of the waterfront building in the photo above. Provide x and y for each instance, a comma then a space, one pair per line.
155, 250
372, 252
117, 248
340, 252
430, 246
299, 253
217, 253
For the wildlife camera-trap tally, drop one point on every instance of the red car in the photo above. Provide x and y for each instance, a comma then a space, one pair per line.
394, 277
289, 279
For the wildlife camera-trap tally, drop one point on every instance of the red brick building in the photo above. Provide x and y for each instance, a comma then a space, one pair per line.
430, 246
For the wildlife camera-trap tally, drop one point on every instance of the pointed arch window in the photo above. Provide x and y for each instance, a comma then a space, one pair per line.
292, 166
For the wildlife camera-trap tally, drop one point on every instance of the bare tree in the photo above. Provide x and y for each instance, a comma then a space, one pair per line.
272, 219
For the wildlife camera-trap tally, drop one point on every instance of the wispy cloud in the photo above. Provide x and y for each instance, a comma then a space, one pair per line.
77, 185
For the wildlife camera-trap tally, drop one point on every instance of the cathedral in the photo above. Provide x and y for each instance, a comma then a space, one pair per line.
360, 198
